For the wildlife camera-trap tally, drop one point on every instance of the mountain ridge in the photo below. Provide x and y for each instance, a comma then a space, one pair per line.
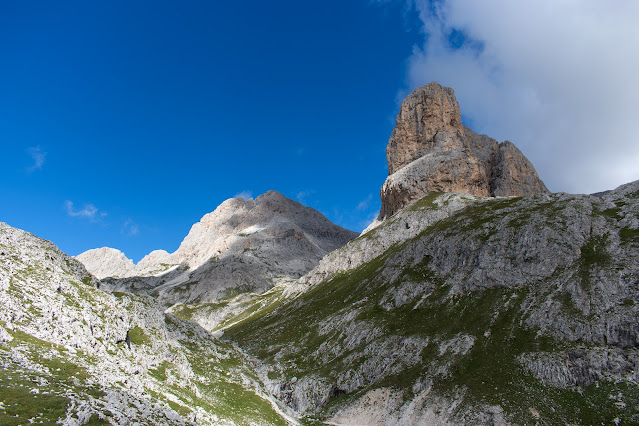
508, 311
243, 245
73, 354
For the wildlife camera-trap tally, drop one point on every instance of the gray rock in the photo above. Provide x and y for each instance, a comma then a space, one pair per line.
381, 236
106, 262
243, 246
115, 358
459, 299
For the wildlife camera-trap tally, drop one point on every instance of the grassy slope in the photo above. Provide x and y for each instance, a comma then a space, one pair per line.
291, 341
40, 391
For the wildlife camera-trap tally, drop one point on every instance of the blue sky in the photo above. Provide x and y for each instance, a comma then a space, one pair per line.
123, 123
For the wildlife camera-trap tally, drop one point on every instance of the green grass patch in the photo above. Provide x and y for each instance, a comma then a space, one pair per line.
479, 220
629, 235
594, 254
138, 336
567, 304
22, 406
427, 202
611, 213
159, 373
186, 312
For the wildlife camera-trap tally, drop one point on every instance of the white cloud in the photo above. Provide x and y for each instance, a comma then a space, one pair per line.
302, 196
363, 205
130, 228
38, 157
89, 211
558, 78
244, 194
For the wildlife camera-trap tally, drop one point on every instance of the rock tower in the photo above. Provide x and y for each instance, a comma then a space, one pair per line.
431, 150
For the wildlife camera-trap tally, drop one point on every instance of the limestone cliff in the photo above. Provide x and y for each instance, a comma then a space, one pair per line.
429, 119
106, 262
431, 151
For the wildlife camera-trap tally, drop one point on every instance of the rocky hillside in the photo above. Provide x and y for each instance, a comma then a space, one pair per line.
476, 298
511, 310
72, 354
242, 246
431, 151
457, 310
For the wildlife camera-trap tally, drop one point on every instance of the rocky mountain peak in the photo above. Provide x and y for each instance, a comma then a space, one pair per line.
270, 212
242, 244
106, 262
430, 150
272, 195
429, 119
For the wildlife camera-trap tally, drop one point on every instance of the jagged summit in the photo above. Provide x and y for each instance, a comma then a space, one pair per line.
242, 244
270, 213
430, 150
429, 119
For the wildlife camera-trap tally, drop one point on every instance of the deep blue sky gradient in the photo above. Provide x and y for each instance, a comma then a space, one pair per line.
156, 112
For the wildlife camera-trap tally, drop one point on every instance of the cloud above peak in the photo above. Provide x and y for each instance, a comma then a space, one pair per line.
89, 211
556, 78
244, 194
130, 228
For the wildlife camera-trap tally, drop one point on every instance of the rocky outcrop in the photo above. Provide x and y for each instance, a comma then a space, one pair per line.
242, 246
403, 226
429, 119
431, 151
513, 174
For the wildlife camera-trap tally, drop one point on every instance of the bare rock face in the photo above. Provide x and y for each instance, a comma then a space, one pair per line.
513, 174
242, 246
429, 119
106, 262
431, 151
438, 171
